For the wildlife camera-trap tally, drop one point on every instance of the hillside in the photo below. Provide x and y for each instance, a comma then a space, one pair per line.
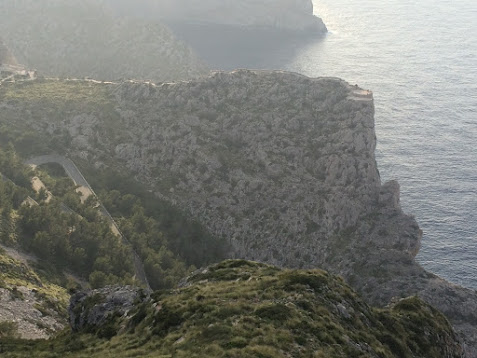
6, 57
31, 306
280, 165
69, 231
82, 39
244, 309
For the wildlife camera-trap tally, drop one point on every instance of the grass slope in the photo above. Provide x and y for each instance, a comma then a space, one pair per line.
37, 306
244, 309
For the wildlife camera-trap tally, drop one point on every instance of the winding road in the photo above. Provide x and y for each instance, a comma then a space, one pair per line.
75, 174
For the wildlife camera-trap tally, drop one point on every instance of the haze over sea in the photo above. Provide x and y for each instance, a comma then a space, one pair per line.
420, 60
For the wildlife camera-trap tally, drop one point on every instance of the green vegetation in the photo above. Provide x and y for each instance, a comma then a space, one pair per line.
24, 140
69, 241
12, 167
167, 241
56, 100
8, 329
245, 309
79, 241
68, 234
58, 95
51, 298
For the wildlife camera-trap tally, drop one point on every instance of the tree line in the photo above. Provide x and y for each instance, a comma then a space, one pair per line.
68, 234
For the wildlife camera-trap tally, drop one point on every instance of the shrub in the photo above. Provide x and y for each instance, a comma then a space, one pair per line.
165, 319
275, 312
8, 329
314, 280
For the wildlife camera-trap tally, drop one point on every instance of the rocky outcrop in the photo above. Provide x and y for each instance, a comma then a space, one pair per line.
91, 309
82, 39
280, 164
239, 308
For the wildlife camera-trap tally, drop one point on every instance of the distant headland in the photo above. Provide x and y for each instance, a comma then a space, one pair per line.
285, 15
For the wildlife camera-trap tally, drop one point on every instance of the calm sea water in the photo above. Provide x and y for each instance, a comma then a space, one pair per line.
420, 60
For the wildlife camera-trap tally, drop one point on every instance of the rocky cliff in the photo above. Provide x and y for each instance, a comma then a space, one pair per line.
273, 159
280, 164
288, 15
83, 39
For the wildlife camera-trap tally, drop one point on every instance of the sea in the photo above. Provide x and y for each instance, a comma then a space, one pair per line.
420, 60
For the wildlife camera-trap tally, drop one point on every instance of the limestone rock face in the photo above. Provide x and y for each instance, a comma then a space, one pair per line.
267, 159
279, 164
89, 309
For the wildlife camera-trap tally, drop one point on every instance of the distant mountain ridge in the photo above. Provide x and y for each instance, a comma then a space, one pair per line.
84, 39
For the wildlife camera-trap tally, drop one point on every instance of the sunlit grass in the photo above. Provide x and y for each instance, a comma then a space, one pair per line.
58, 96
240, 309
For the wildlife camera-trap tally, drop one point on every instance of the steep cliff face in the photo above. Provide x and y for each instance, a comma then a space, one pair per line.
290, 15
274, 160
277, 163
82, 39
280, 164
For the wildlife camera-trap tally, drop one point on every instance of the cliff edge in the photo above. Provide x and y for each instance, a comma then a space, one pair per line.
279, 164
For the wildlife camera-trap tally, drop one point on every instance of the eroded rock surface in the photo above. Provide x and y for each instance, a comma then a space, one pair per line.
280, 164
35, 308
90, 309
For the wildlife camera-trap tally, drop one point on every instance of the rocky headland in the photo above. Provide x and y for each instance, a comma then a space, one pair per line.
285, 15
279, 164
